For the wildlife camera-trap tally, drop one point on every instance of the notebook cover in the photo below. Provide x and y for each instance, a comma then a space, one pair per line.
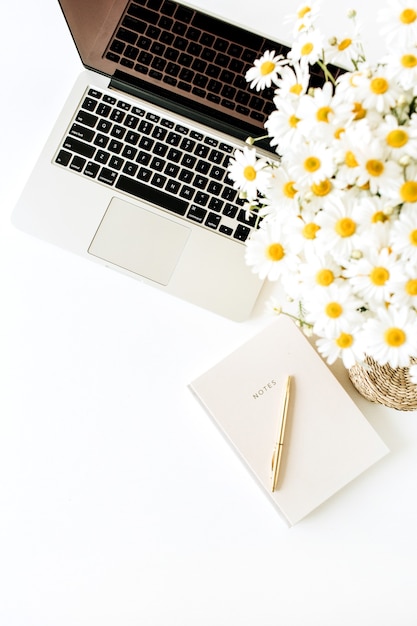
328, 441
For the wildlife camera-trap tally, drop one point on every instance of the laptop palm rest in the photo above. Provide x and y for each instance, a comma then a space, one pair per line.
137, 240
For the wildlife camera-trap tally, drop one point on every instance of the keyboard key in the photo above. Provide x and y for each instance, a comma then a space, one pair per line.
74, 145
213, 220
130, 168
101, 141
107, 176
83, 117
89, 104
144, 174
155, 196
197, 214
241, 232
91, 169
102, 157
63, 157
81, 132
77, 163
116, 163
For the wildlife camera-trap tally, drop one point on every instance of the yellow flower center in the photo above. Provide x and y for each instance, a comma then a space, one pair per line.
324, 277
350, 160
411, 287
408, 61
334, 310
374, 167
344, 340
379, 86
408, 191
267, 67
312, 164
323, 188
303, 12
310, 230
293, 121
345, 227
344, 44
394, 337
408, 16
413, 237
296, 89
358, 111
379, 276
275, 252
289, 190
323, 113
307, 49
379, 216
338, 133
249, 173
397, 138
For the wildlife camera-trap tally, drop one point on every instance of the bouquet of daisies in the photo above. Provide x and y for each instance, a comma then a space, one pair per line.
338, 206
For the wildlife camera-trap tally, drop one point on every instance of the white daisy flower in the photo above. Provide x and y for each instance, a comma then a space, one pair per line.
282, 125
311, 163
405, 288
344, 51
302, 231
319, 194
401, 139
374, 210
391, 336
317, 113
340, 227
333, 310
375, 170
347, 151
319, 272
371, 276
305, 16
293, 81
399, 21
343, 345
249, 173
307, 47
401, 65
265, 70
406, 187
269, 252
404, 234
377, 91
281, 200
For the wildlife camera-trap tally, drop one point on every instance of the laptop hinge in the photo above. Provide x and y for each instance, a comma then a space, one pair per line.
181, 106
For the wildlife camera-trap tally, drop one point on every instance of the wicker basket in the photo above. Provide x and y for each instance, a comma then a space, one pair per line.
385, 385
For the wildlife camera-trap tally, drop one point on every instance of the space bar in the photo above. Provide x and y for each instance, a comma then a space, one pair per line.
151, 194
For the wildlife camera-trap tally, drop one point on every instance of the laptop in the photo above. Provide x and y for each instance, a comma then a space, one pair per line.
134, 174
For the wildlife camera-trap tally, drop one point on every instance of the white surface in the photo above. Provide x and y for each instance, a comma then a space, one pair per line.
120, 503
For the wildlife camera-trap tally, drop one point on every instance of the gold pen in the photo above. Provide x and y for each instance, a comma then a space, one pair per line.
278, 450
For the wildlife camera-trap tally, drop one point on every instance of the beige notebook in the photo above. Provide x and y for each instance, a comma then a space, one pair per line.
328, 442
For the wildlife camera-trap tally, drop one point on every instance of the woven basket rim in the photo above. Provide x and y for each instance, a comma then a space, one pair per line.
385, 385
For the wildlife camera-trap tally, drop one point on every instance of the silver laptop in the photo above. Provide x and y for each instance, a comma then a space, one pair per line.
134, 174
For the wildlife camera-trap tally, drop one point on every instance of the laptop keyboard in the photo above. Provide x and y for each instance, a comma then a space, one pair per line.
140, 152
192, 54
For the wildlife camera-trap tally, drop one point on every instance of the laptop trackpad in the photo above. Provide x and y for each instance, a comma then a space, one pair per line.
140, 241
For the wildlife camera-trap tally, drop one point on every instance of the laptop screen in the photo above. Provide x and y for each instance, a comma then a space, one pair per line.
182, 57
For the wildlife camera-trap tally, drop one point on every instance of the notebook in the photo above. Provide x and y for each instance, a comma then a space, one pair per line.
328, 441
134, 174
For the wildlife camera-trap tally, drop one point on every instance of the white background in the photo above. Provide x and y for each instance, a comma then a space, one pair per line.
120, 503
